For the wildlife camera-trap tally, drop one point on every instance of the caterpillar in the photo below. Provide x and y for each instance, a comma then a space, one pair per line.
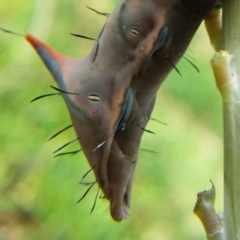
110, 94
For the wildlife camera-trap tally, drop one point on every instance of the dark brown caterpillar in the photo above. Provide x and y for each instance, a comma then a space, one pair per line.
110, 94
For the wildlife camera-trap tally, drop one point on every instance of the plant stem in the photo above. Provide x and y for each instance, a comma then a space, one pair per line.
231, 111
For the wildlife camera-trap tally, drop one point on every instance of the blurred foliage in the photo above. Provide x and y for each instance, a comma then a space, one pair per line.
38, 193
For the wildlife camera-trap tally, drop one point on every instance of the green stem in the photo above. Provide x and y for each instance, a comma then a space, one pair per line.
231, 111
228, 86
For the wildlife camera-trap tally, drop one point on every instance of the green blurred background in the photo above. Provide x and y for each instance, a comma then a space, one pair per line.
38, 192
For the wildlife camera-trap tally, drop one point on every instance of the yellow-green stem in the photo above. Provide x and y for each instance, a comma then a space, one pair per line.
231, 111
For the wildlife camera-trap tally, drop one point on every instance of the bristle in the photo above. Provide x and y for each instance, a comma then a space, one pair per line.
190, 57
144, 129
11, 32
84, 195
82, 36
147, 150
100, 13
95, 201
87, 183
43, 96
56, 134
170, 61
188, 60
65, 145
154, 119
71, 153
62, 91
82, 182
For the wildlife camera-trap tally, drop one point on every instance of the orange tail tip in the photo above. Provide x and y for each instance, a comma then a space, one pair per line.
56, 62
41, 47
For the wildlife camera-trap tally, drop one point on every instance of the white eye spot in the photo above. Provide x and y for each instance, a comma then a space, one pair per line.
135, 31
94, 97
